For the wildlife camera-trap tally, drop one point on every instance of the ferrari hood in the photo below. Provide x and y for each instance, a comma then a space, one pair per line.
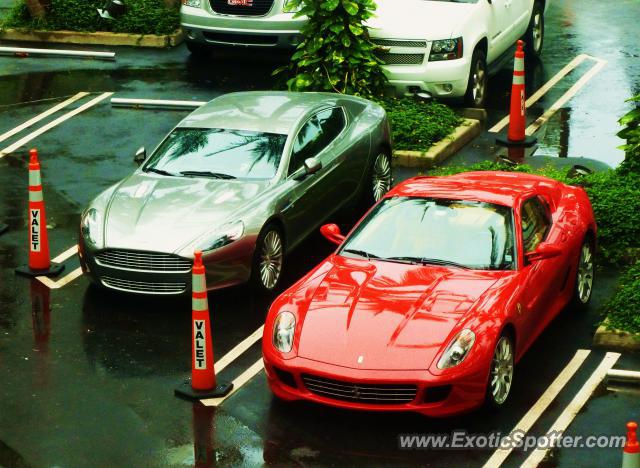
418, 19
150, 212
386, 316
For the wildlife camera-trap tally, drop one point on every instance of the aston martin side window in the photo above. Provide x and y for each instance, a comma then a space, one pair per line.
535, 224
332, 123
316, 135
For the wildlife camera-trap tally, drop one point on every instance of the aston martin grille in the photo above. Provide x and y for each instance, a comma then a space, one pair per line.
241, 7
143, 261
399, 43
143, 286
400, 59
381, 394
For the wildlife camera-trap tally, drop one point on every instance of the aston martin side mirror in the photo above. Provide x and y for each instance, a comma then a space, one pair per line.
332, 233
542, 252
312, 165
141, 155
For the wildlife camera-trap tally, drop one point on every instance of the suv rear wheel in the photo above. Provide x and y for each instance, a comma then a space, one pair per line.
534, 37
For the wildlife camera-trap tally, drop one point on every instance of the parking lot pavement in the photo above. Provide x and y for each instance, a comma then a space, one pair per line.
87, 377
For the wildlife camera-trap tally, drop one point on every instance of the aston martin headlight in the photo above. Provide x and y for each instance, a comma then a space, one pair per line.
91, 226
457, 349
292, 6
283, 328
446, 49
227, 234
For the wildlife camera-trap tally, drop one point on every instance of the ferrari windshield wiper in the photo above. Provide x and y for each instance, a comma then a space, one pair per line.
213, 175
361, 253
427, 261
159, 171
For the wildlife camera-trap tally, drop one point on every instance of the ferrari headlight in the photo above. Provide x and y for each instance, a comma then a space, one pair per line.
457, 349
91, 226
292, 6
227, 234
283, 329
446, 49
191, 3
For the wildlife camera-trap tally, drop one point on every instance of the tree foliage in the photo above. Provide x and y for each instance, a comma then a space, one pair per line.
631, 133
336, 53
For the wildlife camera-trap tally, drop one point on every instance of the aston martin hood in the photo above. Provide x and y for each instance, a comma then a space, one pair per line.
368, 318
158, 213
418, 19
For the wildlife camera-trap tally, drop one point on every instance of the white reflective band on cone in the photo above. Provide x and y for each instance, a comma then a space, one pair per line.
198, 283
518, 65
518, 80
35, 196
199, 305
34, 178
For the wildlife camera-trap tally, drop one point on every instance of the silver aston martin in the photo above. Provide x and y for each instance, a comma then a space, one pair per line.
244, 179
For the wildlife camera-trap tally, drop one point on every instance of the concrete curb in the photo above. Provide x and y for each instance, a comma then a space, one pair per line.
94, 38
616, 339
445, 148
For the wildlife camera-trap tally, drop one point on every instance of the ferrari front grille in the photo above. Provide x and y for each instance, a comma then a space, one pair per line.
143, 287
143, 261
368, 393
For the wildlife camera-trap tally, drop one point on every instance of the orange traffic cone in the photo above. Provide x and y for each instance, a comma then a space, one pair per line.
39, 259
516, 135
631, 454
203, 376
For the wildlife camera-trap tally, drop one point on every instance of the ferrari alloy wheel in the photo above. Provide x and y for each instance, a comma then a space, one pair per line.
268, 259
501, 374
584, 276
381, 182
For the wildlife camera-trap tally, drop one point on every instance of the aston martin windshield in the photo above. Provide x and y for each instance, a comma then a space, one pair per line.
218, 154
456, 233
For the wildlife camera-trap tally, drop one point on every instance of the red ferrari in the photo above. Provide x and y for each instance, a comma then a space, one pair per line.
434, 295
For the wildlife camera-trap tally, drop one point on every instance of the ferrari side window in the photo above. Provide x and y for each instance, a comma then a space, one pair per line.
535, 224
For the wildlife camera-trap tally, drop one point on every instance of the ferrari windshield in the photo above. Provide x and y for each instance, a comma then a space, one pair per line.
464, 234
218, 153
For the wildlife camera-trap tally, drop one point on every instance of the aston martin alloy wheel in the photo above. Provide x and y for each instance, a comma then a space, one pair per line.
269, 259
501, 374
381, 177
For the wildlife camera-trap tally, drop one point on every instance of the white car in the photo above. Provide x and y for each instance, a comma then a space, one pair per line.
446, 48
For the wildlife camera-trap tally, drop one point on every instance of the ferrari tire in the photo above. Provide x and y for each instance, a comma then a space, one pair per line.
500, 373
268, 259
585, 273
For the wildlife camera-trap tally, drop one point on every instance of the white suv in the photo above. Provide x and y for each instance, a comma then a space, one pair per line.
446, 48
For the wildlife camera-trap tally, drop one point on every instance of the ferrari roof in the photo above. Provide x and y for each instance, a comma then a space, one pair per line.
269, 111
501, 188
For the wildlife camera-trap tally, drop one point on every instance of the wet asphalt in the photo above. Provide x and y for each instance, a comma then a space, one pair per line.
87, 376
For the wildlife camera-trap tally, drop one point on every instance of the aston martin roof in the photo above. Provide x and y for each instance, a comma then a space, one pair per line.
270, 111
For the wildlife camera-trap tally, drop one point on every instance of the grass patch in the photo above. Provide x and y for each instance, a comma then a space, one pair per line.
623, 308
141, 17
418, 125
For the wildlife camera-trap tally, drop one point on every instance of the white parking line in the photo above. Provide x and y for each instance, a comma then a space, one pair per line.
51, 284
238, 383
544, 88
528, 420
570, 412
52, 124
44, 115
70, 252
238, 350
600, 64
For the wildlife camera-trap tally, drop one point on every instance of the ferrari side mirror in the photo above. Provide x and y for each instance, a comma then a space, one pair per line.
332, 233
542, 252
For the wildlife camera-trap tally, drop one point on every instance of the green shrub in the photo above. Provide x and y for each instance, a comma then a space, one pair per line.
614, 195
417, 125
141, 17
336, 53
623, 309
631, 133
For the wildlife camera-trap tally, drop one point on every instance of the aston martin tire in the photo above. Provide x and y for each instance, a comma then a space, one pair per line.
585, 273
500, 373
379, 178
534, 37
478, 78
268, 259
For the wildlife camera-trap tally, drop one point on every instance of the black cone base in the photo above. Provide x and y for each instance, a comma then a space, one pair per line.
528, 142
3, 227
54, 270
185, 391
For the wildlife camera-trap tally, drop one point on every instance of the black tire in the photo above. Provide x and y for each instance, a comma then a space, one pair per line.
582, 291
380, 167
264, 242
534, 37
478, 79
493, 401
198, 50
